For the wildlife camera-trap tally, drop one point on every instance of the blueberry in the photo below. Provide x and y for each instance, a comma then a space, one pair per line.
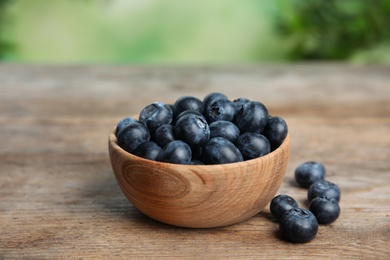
156, 115
239, 102
193, 129
220, 109
253, 145
323, 188
276, 131
196, 162
281, 204
325, 209
132, 136
197, 152
308, 173
252, 117
148, 150
187, 103
224, 129
123, 123
187, 112
210, 98
219, 150
165, 134
171, 106
176, 152
298, 225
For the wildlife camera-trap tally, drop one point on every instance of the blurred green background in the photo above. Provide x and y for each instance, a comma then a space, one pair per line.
193, 32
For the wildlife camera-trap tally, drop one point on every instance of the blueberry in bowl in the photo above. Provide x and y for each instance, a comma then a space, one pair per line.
194, 180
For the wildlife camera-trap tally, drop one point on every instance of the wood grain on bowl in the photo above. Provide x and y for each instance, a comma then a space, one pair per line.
199, 196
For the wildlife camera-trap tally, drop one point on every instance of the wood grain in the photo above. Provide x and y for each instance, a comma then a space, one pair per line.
194, 196
59, 198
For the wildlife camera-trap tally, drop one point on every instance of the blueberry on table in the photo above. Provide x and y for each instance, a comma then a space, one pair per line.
187, 103
276, 131
308, 173
210, 98
325, 209
220, 109
253, 145
176, 152
224, 129
323, 188
123, 123
252, 117
298, 225
148, 150
156, 115
193, 129
282, 203
165, 134
219, 150
132, 136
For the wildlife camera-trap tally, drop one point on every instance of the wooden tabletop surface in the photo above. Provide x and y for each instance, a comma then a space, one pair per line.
59, 198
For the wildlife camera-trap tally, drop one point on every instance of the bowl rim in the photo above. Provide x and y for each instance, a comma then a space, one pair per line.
114, 145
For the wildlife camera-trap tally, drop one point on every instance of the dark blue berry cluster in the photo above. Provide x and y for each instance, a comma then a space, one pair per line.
215, 130
300, 225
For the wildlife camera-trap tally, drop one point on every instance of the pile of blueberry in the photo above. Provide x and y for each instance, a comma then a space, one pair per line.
301, 225
214, 130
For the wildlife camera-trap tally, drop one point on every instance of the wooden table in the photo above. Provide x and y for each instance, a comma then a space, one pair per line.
59, 198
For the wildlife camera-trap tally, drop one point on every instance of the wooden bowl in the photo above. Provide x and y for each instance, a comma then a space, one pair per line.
199, 196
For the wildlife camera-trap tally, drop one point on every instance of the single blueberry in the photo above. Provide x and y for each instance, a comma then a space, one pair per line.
323, 188
176, 152
187, 103
219, 150
276, 131
132, 136
253, 145
123, 123
220, 109
298, 225
239, 102
325, 209
156, 115
187, 112
308, 173
224, 129
193, 129
197, 152
252, 117
171, 106
164, 135
196, 162
281, 204
148, 150
210, 98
